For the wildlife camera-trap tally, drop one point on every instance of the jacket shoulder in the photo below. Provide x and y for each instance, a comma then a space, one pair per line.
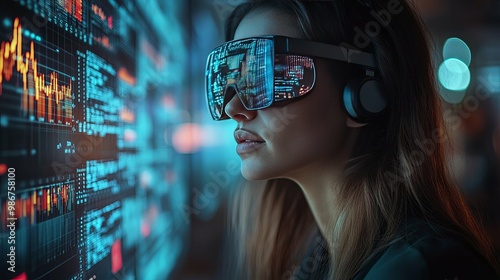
430, 253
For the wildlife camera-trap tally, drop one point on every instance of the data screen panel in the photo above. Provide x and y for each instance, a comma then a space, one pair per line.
90, 94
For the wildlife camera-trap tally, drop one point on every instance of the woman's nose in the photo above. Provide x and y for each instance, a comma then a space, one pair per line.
235, 109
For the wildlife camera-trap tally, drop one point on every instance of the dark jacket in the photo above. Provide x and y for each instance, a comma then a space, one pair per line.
425, 251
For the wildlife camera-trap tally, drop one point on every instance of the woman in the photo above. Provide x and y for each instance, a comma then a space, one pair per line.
346, 129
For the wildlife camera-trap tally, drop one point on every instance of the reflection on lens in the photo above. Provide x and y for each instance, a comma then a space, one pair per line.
257, 78
295, 76
246, 65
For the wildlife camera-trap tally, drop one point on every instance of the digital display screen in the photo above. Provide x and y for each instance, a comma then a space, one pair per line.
90, 184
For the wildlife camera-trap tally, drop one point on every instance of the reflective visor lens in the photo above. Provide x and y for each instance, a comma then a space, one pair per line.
245, 66
294, 76
250, 69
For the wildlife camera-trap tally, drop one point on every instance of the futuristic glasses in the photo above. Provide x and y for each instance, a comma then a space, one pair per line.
268, 69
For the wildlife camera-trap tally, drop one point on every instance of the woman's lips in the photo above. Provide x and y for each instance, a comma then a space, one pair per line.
247, 141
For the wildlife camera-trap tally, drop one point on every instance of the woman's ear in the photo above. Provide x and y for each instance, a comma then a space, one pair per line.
353, 124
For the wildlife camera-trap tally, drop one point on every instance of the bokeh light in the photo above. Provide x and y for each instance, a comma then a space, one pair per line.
452, 97
3, 168
187, 138
457, 48
454, 74
489, 76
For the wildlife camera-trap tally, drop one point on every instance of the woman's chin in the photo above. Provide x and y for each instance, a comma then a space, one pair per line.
253, 176
254, 173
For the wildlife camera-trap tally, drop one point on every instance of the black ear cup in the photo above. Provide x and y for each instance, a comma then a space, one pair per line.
364, 98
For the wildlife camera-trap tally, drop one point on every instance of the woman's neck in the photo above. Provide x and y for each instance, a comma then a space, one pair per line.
320, 183
320, 192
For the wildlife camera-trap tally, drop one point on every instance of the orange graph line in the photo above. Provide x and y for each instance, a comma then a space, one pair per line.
12, 58
40, 205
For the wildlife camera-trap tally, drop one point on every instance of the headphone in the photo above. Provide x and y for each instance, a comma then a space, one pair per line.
365, 97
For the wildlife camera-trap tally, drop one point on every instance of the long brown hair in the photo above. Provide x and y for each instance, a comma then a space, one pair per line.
398, 166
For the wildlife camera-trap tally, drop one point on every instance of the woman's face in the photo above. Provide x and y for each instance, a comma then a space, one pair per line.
298, 138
